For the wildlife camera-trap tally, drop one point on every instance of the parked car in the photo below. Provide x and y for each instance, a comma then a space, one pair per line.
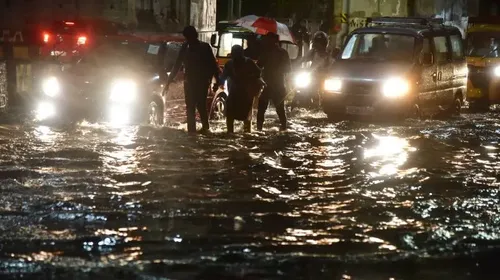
401, 67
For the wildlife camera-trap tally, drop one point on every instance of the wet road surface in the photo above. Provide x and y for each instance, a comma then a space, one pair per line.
349, 200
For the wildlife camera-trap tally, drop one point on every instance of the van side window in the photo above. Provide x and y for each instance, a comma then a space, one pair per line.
441, 46
457, 47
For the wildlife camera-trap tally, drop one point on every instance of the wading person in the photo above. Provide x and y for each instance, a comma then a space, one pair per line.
275, 64
200, 67
244, 84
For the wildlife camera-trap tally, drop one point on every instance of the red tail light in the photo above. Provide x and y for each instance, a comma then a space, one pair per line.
69, 23
82, 40
46, 37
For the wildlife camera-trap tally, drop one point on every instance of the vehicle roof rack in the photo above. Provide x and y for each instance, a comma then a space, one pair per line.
412, 21
485, 20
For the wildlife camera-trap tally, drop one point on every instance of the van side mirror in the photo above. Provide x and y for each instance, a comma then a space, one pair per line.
427, 59
213, 40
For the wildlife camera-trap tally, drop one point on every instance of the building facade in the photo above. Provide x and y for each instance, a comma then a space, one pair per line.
454, 12
15, 13
152, 15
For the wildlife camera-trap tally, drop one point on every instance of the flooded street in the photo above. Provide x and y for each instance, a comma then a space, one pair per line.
348, 200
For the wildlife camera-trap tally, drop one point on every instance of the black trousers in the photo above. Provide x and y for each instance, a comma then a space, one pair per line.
277, 95
195, 93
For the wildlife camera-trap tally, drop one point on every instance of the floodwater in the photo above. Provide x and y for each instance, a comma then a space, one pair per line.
348, 200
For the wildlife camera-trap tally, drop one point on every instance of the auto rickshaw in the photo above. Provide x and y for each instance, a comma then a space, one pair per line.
228, 35
483, 60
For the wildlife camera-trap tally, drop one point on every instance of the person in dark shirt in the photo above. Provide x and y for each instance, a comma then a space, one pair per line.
275, 64
200, 66
243, 77
301, 34
252, 51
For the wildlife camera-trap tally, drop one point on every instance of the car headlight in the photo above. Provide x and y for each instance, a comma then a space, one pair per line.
303, 79
51, 87
123, 91
395, 87
333, 85
496, 71
45, 110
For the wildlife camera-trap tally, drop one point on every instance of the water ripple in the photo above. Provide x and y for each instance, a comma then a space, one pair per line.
162, 203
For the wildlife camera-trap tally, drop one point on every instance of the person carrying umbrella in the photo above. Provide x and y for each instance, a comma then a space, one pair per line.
200, 67
275, 64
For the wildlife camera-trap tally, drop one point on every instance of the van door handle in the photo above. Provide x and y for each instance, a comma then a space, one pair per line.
434, 76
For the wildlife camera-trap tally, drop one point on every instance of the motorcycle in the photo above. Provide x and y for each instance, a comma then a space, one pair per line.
306, 89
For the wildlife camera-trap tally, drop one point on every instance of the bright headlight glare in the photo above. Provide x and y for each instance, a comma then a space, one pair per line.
303, 79
395, 87
51, 87
45, 110
333, 85
496, 71
124, 91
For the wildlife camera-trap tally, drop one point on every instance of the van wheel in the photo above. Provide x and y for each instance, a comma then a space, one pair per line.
219, 108
456, 108
415, 112
155, 112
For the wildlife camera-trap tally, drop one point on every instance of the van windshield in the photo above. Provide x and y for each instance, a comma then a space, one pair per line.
378, 46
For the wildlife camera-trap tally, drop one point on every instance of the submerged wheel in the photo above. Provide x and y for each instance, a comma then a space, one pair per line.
456, 108
414, 112
219, 108
155, 113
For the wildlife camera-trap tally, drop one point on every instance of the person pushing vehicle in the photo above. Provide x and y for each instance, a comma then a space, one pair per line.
200, 66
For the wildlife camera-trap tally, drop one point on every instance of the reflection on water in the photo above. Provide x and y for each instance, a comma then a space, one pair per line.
387, 155
45, 134
122, 156
169, 204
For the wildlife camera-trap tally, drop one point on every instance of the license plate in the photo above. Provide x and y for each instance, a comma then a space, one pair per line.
359, 110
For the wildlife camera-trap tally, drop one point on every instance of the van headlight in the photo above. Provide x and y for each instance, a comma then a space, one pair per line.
123, 91
303, 79
395, 87
333, 85
496, 71
51, 86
